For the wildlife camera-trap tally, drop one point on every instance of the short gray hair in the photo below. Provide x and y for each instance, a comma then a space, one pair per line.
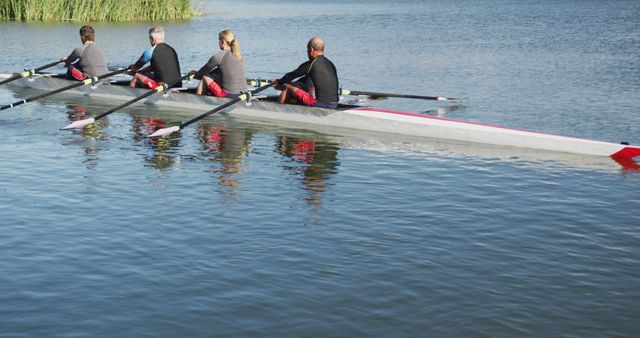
157, 33
316, 43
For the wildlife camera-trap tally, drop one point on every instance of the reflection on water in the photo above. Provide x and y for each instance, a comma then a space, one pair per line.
78, 112
310, 157
466, 239
163, 156
229, 148
314, 160
90, 134
442, 111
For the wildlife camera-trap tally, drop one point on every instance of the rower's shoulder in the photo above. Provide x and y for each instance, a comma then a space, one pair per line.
324, 58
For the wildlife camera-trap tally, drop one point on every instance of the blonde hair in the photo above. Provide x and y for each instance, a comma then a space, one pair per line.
228, 37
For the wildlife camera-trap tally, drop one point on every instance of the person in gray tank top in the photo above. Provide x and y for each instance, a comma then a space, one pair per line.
223, 75
88, 59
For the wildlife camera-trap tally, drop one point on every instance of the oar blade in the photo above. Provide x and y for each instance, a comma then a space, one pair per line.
454, 98
15, 77
378, 96
80, 124
164, 131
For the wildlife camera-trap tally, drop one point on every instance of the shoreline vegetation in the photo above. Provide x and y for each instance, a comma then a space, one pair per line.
96, 10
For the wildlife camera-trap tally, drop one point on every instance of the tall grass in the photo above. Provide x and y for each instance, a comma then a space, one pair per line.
96, 10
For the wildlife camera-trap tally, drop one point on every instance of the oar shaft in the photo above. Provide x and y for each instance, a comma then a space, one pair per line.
212, 111
147, 94
15, 77
158, 89
257, 82
31, 72
48, 65
37, 97
78, 84
242, 97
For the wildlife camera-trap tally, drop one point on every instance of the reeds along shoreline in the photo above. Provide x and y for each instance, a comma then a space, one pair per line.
95, 10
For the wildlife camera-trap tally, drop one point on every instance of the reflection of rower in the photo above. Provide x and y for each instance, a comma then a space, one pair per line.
229, 147
162, 146
320, 159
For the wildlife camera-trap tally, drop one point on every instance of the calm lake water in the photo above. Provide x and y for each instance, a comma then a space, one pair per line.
248, 228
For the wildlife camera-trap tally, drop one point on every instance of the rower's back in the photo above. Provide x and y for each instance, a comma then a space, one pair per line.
165, 64
92, 59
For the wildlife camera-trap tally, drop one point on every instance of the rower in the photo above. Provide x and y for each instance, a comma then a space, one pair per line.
164, 65
223, 75
86, 60
318, 79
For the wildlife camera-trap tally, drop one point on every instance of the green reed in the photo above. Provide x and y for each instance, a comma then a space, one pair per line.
96, 10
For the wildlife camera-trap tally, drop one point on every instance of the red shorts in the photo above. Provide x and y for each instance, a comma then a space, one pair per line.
150, 83
76, 73
216, 90
304, 96
303, 150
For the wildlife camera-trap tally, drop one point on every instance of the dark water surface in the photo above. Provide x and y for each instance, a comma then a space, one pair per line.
250, 228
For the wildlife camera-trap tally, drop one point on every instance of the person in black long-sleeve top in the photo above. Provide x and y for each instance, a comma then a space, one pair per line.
164, 68
319, 87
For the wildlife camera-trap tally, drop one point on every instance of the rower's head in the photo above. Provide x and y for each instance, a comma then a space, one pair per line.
87, 33
315, 47
156, 35
226, 39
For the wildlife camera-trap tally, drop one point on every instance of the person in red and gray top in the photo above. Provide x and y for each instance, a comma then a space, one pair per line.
164, 68
88, 59
319, 87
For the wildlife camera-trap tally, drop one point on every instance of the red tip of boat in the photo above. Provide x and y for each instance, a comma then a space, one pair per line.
627, 152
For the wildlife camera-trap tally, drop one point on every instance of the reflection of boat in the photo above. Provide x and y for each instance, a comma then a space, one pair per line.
353, 117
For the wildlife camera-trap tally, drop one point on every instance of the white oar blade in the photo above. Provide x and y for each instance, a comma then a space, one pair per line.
80, 124
165, 131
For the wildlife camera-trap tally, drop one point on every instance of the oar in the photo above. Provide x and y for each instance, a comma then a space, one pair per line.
405, 96
28, 73
244, 97
256, 82
160, 88
91, 80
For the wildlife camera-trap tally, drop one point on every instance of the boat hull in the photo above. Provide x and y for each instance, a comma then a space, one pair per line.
361, 118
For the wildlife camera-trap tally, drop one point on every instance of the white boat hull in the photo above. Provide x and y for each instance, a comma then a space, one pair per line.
361, 118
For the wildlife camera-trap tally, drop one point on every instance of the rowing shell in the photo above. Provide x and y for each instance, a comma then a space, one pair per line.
352, 117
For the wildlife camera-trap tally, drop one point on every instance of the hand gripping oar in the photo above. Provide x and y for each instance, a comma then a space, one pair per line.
91, 80
405, 96
160, 88
244, 97
28, 73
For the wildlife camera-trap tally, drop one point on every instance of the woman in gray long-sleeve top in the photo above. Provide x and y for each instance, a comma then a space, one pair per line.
223, 75
90, 57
